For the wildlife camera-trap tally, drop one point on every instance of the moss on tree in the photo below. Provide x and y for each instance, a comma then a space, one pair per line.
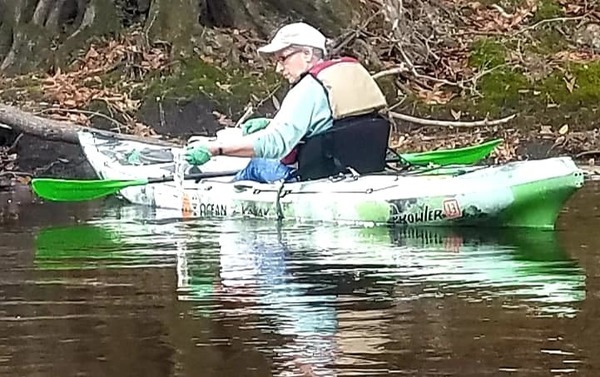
230, 88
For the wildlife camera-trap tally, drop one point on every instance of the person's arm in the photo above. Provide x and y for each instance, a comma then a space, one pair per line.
306, 108
241, 148
305, 104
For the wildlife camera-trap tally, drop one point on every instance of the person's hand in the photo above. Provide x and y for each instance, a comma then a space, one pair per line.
197, 155
252, 125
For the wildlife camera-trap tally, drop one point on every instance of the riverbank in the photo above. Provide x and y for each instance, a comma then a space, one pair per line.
23, 155
535, 60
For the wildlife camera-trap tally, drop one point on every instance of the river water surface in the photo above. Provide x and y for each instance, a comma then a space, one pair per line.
105, 289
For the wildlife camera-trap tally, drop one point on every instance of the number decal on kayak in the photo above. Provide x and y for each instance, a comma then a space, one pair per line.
451, 209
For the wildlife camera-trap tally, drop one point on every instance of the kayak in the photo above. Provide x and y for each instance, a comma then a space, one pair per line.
517, 194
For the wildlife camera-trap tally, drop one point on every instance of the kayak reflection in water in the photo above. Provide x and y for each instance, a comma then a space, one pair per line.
327, 293
295, 280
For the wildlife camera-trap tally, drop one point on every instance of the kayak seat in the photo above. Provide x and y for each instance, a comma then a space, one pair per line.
358, 143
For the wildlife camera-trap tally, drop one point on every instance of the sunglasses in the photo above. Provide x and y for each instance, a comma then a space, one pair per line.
283, 58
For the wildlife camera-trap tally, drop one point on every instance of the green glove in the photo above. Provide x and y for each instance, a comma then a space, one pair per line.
252, 125
197, 155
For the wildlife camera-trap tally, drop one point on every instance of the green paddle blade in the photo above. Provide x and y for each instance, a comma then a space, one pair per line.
459, 156
71, 190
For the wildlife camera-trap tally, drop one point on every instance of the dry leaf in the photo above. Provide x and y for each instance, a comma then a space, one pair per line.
570, 82
573, 9
24, 180
456, 114
70, 103
564, 129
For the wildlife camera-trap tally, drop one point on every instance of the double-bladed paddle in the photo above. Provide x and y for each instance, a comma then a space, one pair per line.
67, 190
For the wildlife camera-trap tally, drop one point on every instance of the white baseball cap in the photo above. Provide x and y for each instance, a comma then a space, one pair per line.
297, 33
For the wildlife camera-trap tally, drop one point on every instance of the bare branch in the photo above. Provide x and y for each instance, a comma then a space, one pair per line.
15, 174
249, 111
546, 21
445, 123
391, 71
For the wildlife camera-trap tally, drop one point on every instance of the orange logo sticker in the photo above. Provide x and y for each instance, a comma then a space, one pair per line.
186, 206
451, 209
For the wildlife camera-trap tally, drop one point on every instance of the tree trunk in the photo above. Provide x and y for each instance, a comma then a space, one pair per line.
52, 23
174, 21
266, 15
42, 11
94, 18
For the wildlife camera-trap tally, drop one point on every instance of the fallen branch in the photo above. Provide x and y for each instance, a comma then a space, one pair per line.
448, 123
391, 71
15, 174
50, 129
547, 21
587, 153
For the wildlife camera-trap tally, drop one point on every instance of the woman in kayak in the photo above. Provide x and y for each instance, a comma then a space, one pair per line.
328, 122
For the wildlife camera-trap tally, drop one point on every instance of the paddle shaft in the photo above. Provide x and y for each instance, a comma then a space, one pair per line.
197, 176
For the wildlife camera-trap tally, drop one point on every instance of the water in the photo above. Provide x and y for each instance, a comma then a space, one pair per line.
103, 289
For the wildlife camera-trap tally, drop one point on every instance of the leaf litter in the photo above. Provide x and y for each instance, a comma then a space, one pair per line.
428, 40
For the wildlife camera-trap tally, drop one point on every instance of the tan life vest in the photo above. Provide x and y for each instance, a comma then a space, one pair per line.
350, 88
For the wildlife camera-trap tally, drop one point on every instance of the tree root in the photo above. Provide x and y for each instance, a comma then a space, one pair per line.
87, 20
33, 34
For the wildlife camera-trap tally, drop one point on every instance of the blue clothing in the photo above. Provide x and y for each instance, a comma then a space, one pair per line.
265, 170
305, 111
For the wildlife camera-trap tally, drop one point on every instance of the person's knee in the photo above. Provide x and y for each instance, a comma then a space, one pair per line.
264, 171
